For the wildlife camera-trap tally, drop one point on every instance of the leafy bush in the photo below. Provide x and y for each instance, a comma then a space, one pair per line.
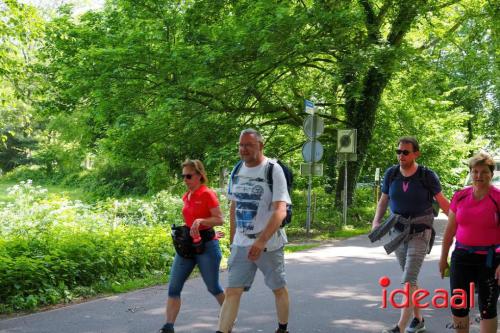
23, 172
325, 217
53, 249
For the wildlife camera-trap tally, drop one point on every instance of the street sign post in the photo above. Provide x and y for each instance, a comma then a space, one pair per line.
309, 107
312, 151
347, 157
346, 140
305, 169
346, 147
309, 125
377, 184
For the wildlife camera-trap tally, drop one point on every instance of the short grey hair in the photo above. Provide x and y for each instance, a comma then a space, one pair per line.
482, 158
254, 132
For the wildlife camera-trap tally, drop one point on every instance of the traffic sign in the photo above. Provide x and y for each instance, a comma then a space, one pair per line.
305, 169
309, 106
309, 123
346, 141
347, 157
307, 151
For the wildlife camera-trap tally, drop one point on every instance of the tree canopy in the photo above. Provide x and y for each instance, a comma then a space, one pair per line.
143, 84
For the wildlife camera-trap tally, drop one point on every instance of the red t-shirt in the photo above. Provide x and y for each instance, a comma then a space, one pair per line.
198, 205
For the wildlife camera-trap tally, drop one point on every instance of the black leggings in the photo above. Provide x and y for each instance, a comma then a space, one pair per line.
470, 267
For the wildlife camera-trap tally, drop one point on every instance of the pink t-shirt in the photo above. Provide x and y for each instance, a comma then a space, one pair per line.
477, 220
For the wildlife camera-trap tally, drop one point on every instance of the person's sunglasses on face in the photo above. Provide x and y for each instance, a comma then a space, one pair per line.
187, 176
404, 152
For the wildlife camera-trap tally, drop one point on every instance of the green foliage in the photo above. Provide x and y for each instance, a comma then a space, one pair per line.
53, 249
327, 222
300, 247
57, 157
143, 85
21, 29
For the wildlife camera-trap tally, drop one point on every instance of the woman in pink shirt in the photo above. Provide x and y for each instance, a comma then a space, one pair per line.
473, 220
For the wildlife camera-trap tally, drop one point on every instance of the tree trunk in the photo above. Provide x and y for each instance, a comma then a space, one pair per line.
361, 111
363, 120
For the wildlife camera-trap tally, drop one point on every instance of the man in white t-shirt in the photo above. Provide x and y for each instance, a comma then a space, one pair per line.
257, 241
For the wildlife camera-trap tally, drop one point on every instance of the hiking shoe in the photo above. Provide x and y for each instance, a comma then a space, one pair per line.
279, 330
395, 329
166, 330
416, 326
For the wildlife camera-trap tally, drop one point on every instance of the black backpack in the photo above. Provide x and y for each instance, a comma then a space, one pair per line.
423, 175
269, 177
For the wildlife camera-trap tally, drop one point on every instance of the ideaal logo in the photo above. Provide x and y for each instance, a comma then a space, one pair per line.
440, 298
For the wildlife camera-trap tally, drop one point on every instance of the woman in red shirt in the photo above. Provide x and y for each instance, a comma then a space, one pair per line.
201, 212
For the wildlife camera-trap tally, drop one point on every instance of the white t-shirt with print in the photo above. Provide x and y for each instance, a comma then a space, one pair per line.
252, 195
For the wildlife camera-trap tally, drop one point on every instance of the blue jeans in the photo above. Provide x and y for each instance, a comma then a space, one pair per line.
208, 262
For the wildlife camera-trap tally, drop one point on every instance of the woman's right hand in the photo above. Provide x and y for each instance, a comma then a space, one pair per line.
194, 230
443, 266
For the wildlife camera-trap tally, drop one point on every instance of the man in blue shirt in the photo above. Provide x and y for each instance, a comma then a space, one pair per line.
409, 189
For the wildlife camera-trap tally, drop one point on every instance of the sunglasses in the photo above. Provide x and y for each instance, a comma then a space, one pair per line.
187, 176
404, 152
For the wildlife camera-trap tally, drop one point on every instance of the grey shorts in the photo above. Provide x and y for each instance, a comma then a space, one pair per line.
411, 254
241, 271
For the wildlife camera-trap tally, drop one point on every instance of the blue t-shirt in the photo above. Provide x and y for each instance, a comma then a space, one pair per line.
407, 195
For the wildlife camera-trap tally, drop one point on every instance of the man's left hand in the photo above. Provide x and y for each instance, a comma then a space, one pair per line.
256, 249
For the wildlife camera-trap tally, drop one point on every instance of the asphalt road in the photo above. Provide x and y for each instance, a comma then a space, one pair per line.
333, 288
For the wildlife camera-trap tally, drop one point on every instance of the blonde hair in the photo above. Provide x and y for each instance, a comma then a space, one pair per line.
198, 167
482, 158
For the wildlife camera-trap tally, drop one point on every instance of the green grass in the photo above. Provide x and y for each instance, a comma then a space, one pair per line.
72, 193
351, 232
3, 189
300, 242
152, 280
298, 235
290, 248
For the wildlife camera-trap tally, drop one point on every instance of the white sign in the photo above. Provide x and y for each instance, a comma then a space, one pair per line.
309, 106
350, 157
307, 151
309, 130
346, 141
305, 169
